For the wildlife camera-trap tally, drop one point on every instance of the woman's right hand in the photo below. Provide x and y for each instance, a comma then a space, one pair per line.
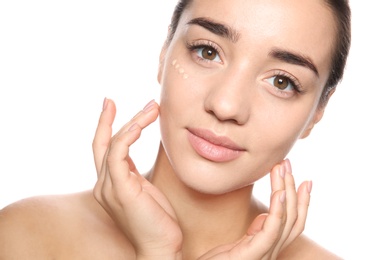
146, 217
140, 210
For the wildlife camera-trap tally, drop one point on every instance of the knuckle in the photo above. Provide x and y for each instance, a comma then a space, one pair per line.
110, 159
293, 216
274, 236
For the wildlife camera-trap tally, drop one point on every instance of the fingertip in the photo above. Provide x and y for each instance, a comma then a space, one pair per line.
306, 187
104, 104
149, 105
107, 104
256, 225
282, 197
287, 166
278, 176
309, 186
304, 191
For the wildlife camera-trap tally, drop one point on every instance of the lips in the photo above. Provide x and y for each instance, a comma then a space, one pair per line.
212, 147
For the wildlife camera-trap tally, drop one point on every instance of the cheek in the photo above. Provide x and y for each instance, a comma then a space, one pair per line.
175, 79
177, 96
277, 130
180, 90
179, 69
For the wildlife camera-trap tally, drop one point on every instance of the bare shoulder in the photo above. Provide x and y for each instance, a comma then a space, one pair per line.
70, 226
19, 230
304, 248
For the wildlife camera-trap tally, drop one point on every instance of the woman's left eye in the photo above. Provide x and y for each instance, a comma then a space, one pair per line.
208, 53
282, 83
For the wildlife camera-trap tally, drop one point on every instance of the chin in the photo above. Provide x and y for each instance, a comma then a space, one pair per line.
206, 176
214, 179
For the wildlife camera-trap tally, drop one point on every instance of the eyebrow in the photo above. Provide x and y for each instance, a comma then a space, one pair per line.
294, 58
216, 28
231, 34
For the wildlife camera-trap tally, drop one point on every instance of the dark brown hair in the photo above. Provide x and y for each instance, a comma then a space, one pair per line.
342, 14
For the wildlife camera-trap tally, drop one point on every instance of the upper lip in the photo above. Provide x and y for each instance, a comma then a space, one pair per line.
215, 139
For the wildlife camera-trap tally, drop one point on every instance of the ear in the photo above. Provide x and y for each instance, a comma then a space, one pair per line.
317, 117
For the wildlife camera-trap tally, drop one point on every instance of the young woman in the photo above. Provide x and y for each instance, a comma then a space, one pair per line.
241, 82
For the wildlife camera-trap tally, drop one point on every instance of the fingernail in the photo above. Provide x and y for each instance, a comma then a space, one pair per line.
309, 186
287, 166
282, 196
148, 105
133, 127
282, 171
105, 102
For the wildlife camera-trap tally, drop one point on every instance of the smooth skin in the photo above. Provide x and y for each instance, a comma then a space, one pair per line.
176, 210
38, 228
130, 199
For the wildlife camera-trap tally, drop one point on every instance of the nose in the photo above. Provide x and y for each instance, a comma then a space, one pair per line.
229, 97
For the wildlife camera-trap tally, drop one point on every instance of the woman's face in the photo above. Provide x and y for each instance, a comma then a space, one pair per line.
241, 81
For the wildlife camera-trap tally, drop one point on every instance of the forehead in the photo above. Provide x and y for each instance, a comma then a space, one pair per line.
304, 26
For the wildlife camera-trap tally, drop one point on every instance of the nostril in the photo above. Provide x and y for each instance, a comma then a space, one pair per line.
228, 113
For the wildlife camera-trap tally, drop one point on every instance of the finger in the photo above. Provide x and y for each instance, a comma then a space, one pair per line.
106, 190
143, 118
291, 206
102, 182
276, 221
132, 166
303, 195
124, 163
277, 176
256, 225
261, 235
117, 158
103, 133
291, 194
276, 216
262, 242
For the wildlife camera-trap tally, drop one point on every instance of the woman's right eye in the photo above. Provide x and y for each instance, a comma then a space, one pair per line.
207, 53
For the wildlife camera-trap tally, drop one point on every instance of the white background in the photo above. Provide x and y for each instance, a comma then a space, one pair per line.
59, 59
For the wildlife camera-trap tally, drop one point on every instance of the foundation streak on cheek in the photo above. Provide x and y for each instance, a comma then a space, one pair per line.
179, 69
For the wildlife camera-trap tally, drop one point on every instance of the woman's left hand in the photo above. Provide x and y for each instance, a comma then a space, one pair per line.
270, 233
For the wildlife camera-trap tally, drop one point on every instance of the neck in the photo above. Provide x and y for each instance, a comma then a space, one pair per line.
206, 220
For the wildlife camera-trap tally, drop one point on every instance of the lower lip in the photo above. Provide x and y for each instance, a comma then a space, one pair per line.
211, 151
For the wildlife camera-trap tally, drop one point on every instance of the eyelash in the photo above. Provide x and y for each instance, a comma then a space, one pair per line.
192, 47
195, 46
293, 80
